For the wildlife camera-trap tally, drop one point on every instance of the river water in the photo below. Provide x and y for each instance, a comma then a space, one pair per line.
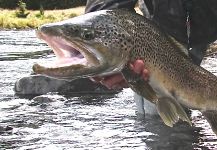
87, 121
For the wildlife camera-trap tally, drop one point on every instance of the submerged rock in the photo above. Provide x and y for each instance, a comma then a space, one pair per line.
38, 84
44, 100
48, 98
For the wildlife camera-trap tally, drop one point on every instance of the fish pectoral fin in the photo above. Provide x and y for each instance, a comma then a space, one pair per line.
146, 91
138, 85
211, 117
171, 111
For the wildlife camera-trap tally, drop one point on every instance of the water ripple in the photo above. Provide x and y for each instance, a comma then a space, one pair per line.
84, 122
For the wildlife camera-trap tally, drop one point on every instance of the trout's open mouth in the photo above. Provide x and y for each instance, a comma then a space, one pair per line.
67, 53
71, 57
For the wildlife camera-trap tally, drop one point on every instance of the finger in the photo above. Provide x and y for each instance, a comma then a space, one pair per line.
137, 66
118, 86
145, 74
111, 81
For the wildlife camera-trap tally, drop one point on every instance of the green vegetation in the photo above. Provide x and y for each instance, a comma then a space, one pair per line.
10, 20
21, 12
41, 10
47, 4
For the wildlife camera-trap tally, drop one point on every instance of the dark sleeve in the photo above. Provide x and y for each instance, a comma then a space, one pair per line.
204, 21
94, 5
171, 16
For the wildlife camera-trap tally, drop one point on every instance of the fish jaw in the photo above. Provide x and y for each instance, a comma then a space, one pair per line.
73, 59
76, 57
67, 51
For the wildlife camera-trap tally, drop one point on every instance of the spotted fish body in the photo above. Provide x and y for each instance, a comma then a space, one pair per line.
111, 39
171, 72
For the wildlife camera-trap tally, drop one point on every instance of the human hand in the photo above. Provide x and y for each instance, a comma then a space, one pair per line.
117, 81
138, 67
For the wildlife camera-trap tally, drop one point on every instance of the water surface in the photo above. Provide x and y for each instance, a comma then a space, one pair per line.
86, 121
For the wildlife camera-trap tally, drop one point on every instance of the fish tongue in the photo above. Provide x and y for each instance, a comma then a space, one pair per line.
69, 61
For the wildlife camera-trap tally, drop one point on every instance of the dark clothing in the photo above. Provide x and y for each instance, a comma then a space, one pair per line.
94, 5
171, 16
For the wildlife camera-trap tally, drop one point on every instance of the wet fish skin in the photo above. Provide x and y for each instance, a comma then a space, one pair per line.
125, 37
98, 51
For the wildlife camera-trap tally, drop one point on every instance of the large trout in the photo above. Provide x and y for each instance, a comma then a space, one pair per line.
105, 42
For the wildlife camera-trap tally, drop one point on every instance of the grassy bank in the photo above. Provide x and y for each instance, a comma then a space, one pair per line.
8, 19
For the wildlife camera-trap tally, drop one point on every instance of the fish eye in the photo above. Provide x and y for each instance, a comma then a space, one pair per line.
87, 34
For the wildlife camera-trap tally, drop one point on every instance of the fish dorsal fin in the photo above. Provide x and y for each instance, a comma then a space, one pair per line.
211, 117
182, 48
171, 111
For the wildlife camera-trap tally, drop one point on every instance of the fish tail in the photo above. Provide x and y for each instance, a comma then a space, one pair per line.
171, 111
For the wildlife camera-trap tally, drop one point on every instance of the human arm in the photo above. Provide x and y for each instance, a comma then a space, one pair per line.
94, 5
